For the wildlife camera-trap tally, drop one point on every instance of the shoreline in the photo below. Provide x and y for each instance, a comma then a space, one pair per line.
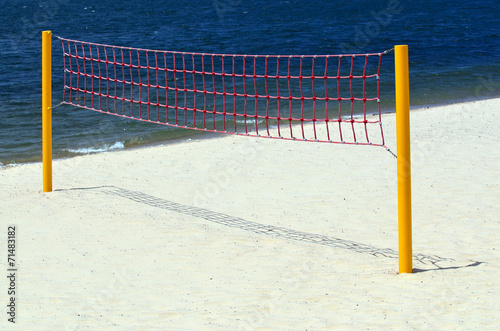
200, 135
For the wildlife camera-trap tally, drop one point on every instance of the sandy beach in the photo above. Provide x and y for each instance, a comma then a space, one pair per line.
237, 233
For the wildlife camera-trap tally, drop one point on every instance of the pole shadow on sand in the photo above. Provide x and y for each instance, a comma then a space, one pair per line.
433, 261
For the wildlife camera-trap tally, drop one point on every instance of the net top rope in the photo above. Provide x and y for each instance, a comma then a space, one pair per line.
323, 98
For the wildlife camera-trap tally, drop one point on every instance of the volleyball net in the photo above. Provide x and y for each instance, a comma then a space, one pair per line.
322, 98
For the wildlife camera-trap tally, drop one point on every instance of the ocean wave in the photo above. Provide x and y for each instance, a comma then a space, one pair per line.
91, 150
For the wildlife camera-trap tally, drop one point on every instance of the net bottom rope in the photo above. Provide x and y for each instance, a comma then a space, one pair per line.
323, 98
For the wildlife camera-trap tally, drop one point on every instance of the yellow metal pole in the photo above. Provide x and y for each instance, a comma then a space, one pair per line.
47, 109
404, 160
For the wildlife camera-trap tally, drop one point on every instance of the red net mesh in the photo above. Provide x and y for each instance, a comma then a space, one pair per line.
324, 98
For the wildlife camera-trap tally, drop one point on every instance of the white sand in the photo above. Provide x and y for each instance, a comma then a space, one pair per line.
244, 233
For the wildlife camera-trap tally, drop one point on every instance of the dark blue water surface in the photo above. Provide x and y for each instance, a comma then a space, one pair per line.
454, 53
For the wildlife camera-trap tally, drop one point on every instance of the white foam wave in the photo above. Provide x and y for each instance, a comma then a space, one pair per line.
105, 148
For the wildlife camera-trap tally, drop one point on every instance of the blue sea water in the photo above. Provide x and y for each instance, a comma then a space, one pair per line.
454, 53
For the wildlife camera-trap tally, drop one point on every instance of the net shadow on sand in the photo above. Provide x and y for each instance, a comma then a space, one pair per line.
433, 261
